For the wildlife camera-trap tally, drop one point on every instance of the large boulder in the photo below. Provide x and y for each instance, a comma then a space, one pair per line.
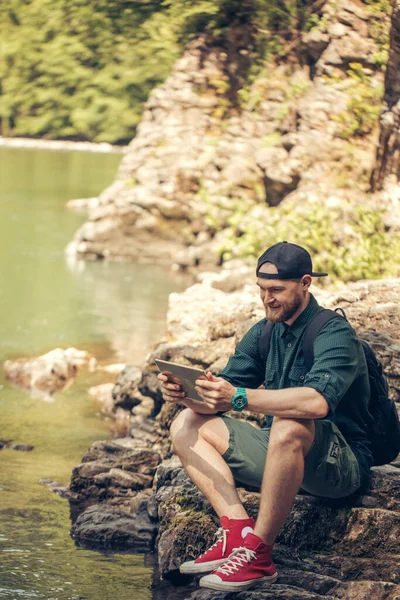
110, 469
111, 498
45, 375
118, 526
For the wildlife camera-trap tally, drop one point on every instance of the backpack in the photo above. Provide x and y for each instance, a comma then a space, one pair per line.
384, 430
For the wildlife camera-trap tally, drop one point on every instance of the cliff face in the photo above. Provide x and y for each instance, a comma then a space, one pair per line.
202, 177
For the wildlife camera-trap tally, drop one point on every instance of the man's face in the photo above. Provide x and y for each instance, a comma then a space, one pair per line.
281, 298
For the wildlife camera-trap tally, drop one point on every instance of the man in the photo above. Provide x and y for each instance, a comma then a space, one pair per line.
316, 439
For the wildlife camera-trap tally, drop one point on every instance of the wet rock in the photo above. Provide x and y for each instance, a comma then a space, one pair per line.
49, 373
115, 528
20, 447
56, 487
112, 469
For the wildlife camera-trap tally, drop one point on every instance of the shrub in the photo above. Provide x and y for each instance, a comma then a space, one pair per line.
350, 243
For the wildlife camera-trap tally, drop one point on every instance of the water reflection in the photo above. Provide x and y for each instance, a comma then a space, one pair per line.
128, 302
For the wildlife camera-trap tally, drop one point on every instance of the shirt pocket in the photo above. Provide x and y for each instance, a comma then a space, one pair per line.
297, 375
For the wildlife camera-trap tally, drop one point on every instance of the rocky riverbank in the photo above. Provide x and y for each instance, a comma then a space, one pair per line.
131, 493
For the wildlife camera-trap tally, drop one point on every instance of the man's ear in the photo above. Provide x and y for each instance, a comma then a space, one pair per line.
306, 281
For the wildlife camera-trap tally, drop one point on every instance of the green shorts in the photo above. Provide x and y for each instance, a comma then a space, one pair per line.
331, 468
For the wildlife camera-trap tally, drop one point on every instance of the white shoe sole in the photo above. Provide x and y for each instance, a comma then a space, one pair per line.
234, 586
192, 568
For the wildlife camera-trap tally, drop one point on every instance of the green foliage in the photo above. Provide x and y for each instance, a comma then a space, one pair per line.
350, 243
82, 69
379, 24
315, 22
364, 107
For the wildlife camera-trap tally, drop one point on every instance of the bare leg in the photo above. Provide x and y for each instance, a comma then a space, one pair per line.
289, 443
199, 441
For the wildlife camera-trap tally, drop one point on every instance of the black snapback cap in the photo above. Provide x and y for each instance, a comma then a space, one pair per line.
291, 260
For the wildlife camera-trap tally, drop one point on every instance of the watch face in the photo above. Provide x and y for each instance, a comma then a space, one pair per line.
240, 401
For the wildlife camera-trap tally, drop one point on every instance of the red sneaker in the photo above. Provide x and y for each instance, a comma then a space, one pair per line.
229, 536
247, 566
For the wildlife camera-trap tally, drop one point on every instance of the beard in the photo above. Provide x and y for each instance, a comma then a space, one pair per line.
283, 312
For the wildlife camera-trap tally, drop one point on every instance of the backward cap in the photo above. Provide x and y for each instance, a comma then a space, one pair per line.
291, 260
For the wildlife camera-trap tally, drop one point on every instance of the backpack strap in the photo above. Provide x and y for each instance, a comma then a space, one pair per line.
264, 341
313, 329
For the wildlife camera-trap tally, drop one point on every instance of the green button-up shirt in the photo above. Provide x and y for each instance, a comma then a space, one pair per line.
339, 373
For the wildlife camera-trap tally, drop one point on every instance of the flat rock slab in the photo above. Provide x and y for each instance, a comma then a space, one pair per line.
108, 527
117, 468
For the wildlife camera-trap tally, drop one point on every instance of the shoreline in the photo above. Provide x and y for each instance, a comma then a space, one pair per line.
42, 144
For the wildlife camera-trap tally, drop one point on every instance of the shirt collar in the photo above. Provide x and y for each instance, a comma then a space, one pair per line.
297, 327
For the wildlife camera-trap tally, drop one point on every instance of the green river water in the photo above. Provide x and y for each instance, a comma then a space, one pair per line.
116, 311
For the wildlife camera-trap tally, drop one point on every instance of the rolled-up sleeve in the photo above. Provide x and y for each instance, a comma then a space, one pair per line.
245, 368
338, 357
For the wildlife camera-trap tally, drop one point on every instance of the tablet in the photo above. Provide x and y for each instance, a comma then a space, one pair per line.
187, 375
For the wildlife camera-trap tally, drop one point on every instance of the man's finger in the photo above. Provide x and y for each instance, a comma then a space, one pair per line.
212, 377
171, 386
174, 393
206, 384
202, 392
167, 376
169, 398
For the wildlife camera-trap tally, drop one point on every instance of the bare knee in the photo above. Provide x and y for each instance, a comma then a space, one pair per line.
186, 419
189, 426
292, 433
184, 425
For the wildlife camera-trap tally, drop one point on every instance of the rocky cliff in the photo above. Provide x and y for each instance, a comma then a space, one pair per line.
131, 493
208, 177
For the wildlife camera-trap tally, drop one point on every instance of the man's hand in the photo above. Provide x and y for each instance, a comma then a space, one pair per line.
216, 392
171, 387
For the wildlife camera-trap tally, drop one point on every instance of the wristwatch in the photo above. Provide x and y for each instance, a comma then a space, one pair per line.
239, 399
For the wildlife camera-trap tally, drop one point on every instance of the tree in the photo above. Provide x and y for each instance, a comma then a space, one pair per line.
388, 152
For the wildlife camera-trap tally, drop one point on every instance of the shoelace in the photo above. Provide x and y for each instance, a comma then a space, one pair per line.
221, 537
238, 558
